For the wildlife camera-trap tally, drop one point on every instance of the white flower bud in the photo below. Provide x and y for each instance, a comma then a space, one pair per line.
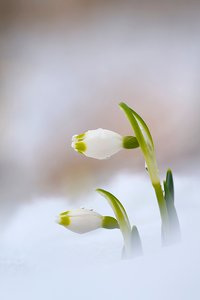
81, 220
99, 143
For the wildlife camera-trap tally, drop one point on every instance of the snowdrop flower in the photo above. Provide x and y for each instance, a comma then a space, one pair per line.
102, 143
85, 220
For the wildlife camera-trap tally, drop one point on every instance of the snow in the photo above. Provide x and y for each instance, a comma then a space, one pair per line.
41, 260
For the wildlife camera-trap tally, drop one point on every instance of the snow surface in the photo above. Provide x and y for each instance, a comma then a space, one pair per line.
41, 260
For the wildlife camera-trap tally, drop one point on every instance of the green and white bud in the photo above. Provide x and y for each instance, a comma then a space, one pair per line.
85, 220
102, 143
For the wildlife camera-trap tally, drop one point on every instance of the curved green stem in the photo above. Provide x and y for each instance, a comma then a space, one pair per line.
145, 141
124, 224
161, 202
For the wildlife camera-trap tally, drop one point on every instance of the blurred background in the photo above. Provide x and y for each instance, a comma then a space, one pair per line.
64, 67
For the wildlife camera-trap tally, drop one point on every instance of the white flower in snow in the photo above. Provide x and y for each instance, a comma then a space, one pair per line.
85, 220
99, 143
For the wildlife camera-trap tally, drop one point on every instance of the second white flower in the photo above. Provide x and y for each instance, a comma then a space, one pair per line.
99, 143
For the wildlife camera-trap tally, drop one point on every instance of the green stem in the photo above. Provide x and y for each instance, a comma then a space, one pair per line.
146, 144
162, 204
122, 218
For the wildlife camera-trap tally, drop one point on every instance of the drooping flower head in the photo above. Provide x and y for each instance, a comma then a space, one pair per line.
84, 220
99, 143
102, 143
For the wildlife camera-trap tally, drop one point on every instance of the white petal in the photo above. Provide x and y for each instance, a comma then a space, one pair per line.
85, 223
81, 220
81, 212
73, 144
74, 138
102, 143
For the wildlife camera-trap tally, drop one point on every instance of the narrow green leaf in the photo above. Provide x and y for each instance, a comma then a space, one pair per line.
170, 183
168, 197
119, 212
140, 128
136, 241
144, 139
169, 201
132, 243
169, 188
136, 244
173, 218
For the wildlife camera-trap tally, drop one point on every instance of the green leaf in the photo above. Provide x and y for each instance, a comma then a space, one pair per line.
169, 188
144, 139
119, 212
140, 128
132, 242
136, 244
169, 198
170, 183
169, 193
136, 241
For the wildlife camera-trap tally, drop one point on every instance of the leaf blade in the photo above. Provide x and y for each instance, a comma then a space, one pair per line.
170, 183
118, 210
140, 128
144, 139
